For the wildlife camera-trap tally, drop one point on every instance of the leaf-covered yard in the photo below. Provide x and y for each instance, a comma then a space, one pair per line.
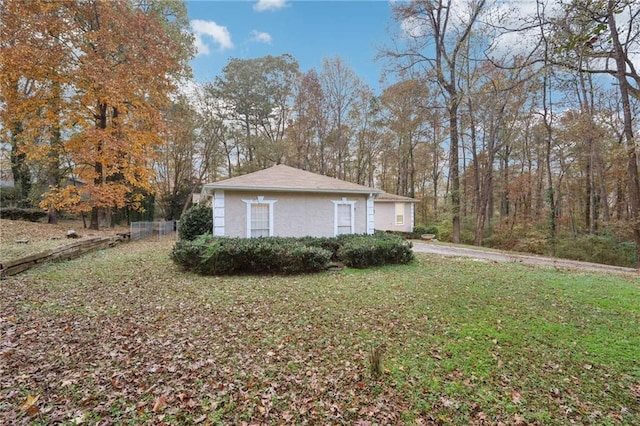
123, 336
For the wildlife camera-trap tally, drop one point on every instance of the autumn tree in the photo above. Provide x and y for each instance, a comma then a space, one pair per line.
367, 126
340, 87
175, 163
599, 37
436, 33
257, 95
33, 52
405, 116
106, 75
306, 133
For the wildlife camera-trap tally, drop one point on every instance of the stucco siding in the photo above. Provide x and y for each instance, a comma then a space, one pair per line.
385, 217
294, 214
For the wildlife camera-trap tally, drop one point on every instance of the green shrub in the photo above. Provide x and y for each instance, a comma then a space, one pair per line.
209, 255
401, 234
196, 221
15, 213
331, 244
188, 254
419, 230
10, 195
364, 251
603, 249
225, 256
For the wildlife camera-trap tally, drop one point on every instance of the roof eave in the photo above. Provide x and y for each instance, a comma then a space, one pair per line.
279, 189
377, 200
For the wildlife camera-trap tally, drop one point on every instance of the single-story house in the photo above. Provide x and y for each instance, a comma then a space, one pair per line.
288, 202
394, 213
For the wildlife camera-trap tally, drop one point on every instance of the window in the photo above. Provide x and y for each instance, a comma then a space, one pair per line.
259, 217
344, 217
399, 213
260, 220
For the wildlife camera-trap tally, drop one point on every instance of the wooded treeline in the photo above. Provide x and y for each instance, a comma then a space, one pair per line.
516, 133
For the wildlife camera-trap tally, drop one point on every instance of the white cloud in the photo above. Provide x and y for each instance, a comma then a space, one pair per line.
517, 18
261, 37
414, 27
205, 30
265, 5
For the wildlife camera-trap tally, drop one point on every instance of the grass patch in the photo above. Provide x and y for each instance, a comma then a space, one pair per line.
124, 336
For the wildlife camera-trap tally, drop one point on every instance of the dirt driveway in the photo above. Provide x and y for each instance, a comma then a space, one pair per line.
502, 256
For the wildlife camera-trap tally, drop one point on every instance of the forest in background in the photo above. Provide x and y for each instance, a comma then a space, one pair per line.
512, 133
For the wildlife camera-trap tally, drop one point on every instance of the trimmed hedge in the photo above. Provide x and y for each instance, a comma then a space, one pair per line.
210, 255
15, 213
196, 221
415, 234
230, 256
360, 251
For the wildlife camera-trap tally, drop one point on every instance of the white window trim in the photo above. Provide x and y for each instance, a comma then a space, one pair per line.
218, 213
371, 219
352, 203
259, 200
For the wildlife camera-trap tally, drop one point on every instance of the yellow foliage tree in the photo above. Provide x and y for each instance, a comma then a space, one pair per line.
114, 65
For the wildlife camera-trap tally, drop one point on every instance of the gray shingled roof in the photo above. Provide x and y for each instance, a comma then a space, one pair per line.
290, 179
395, 198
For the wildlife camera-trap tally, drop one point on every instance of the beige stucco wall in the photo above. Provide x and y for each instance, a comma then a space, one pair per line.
385, 217
294, 214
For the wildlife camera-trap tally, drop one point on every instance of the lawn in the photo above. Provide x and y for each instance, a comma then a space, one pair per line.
122, 336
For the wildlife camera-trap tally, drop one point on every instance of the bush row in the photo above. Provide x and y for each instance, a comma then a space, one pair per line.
209, 255
15, 213
415, 234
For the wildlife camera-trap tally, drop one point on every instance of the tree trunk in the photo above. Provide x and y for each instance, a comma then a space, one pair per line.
19, 169
454, 170
632, 156
101, 123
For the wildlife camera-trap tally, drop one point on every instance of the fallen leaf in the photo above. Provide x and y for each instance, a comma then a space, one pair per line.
78, 420
518, 420
31, 400
160, 403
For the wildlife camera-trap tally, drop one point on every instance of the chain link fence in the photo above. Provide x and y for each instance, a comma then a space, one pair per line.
158, 230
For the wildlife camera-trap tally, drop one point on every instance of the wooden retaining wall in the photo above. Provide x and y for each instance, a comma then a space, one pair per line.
65, 252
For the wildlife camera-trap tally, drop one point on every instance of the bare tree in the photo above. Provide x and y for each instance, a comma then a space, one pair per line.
436, 35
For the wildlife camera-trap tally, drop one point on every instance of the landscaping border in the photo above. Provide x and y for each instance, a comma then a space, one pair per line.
65, 252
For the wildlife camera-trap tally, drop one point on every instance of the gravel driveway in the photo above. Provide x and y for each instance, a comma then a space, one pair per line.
501, 256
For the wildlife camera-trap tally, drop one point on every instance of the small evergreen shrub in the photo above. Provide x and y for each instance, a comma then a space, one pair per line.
188, 254
15, 213
364, 251
9, 195
196, 221
432, 229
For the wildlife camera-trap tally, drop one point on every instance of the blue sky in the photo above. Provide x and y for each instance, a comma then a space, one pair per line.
308, 30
